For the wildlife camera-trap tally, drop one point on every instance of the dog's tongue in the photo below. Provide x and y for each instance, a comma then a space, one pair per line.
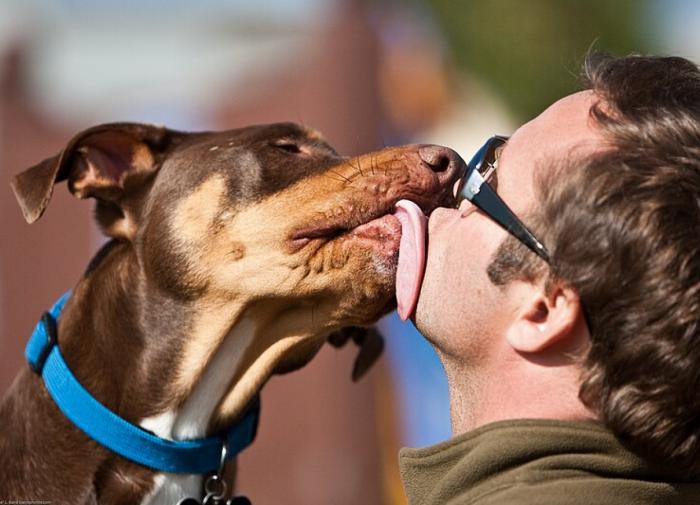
409, 274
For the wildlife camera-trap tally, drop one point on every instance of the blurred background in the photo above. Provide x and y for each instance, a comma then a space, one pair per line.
367, 74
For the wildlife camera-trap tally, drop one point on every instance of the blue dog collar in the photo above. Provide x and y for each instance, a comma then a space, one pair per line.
199, 456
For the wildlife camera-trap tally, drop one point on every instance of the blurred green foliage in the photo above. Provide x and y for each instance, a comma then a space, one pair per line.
530, 51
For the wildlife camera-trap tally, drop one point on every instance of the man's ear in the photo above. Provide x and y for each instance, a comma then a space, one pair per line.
110, 162
547, 316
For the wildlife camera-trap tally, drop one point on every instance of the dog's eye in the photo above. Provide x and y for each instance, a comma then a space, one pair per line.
287, 146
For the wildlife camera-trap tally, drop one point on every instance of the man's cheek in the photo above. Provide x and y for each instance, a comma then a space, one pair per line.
439, 265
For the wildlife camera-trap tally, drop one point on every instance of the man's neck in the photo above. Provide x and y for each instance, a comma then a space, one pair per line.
512, 389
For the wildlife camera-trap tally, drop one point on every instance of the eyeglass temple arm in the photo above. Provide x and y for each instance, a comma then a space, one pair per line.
485, 198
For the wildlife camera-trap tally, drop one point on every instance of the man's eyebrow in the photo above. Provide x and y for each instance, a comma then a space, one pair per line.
499, 150
496, 157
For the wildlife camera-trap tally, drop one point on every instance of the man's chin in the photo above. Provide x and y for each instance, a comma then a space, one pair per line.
417, 316
427, 314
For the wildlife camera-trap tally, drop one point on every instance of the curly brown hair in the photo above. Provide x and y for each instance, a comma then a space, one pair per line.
623, 230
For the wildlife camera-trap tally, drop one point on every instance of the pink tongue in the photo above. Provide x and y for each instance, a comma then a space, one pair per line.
409, 274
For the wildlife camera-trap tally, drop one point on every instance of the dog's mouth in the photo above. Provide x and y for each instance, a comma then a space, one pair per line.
379, 225
396, 237
365, 206
377, 221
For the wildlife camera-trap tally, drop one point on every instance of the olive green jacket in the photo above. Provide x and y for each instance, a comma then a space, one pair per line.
542, 462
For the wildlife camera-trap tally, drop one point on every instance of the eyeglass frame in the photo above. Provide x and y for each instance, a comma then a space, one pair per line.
477, 190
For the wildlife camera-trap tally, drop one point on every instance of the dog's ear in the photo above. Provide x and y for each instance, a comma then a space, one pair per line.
108, 162
370, 342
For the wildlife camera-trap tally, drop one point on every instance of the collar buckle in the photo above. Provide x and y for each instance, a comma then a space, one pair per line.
45, 338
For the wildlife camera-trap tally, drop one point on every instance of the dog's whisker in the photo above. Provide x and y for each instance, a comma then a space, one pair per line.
359, 166
341, 175
359, 162
353, 166
334, 179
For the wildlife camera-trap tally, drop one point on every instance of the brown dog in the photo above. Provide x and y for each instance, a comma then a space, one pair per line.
233, 256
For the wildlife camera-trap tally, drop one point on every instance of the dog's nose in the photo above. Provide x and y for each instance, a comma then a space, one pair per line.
446, 163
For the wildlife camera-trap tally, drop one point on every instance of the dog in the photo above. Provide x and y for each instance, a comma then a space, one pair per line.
232, 256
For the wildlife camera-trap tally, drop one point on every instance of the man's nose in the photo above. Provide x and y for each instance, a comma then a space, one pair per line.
446, 163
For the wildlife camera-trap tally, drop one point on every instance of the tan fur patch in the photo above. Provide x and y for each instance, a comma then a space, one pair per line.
255, 376
274, 341
196, 213
312, 134
142, 158
211, 325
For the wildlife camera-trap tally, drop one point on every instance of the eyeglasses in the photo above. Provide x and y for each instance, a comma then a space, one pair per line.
476, 188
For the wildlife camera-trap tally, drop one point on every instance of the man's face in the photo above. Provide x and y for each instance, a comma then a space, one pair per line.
459, 310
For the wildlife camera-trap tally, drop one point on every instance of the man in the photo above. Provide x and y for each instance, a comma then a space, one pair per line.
571, 342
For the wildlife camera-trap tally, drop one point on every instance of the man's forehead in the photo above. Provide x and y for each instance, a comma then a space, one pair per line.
564, 130
564, 127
